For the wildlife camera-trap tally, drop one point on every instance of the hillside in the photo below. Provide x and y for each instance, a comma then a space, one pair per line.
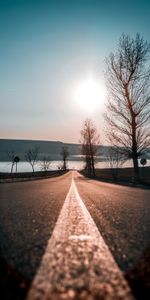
51, 149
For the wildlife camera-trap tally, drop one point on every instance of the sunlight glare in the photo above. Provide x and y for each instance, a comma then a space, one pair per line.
90, 95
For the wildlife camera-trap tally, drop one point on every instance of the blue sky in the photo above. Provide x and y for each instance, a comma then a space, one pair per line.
47, 48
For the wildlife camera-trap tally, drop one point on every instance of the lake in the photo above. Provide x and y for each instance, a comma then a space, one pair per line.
72, 164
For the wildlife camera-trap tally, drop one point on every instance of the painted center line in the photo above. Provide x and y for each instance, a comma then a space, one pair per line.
77, 263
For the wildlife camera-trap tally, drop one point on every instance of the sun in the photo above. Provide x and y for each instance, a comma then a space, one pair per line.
90, 95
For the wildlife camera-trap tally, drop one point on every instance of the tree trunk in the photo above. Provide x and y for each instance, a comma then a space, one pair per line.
135, 161
93, 167
136, 169
32, 169
12, 167
134, 148
64, 167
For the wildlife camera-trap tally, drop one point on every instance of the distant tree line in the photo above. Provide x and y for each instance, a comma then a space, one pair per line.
32, 157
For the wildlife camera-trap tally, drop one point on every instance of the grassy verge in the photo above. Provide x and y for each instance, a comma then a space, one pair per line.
122, 175
7, 177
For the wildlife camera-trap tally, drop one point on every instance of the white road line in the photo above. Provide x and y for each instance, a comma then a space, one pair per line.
77, 263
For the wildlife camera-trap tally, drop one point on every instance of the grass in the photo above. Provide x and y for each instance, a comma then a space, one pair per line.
24, 176
124, 175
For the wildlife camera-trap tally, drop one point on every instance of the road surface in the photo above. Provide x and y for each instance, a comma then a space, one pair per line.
28, 213
77, 263
122, 215
29, 210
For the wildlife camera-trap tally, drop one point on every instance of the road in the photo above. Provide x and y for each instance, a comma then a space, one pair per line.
77, 263
28, 213
29, 210
122, 215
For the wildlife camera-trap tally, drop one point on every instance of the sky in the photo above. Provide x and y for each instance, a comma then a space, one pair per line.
48, 50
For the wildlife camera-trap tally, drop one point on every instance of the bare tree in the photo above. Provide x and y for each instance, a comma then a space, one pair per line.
45, 164
115, 160
14, 159
11, 156
128, 109
89, 145
64, 153
31, 156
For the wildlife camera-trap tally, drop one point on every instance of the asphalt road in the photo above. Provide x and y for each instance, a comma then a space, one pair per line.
29, 210
28, 213
77, 263
122, 215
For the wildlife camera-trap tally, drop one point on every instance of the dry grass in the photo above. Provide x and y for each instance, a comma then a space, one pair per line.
25, 176
124, 175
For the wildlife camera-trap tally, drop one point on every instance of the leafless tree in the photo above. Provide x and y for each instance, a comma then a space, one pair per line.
14, 159
45, 163
128, 109
31, 156
115, 160
11, 156
89, 145
64, 154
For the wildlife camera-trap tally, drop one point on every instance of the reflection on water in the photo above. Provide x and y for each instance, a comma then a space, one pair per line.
77, 165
